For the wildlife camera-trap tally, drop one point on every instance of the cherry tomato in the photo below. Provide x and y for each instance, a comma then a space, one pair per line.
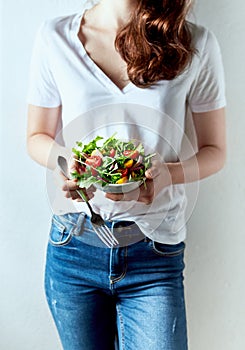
112, 153
133, 154
94, 161
94, 172
81, 169
124, 172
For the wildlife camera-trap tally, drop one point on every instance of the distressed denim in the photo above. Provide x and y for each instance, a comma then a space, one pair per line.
125, 298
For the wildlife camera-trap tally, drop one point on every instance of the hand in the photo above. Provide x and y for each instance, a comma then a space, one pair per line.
70, 186
157, 177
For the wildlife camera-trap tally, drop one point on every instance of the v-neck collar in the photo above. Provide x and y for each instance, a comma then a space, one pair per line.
101, 76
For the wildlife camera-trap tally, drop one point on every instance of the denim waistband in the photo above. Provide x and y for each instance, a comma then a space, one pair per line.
79, 224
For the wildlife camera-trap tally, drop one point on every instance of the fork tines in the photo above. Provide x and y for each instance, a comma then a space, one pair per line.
106, 235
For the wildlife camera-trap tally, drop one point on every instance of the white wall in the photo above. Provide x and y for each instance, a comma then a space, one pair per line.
215, 283
215, 257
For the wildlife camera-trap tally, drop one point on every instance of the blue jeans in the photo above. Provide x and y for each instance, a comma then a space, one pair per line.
126, 298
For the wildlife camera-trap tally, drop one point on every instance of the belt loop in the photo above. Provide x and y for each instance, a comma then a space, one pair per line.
77, 229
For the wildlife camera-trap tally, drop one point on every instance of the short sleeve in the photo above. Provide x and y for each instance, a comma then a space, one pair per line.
42, 89
208, 88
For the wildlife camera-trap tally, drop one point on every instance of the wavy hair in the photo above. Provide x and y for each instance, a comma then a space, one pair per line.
156, 43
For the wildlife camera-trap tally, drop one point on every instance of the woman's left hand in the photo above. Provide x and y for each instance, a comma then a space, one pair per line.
157, 177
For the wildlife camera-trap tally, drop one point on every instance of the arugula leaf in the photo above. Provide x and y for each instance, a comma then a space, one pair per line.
76, 152
86, 183
91, 146
110, 142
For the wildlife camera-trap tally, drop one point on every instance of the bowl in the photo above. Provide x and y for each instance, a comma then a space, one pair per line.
119, 188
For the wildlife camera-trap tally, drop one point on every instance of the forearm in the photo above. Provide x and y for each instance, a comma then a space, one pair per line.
45, 151
207, 161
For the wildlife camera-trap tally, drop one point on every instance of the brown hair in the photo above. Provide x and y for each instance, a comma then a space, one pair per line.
156, 43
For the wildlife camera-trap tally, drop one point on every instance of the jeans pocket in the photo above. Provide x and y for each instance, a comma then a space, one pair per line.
168, 250
59, 234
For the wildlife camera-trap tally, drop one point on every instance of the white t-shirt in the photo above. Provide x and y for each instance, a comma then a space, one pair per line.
62, 73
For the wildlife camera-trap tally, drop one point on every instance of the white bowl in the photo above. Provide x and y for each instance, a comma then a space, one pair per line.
119, 188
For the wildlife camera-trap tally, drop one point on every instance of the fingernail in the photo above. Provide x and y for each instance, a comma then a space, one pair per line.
149, 173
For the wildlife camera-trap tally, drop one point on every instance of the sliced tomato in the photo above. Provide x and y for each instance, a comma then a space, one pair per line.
112, 153
124, 172
94, 161
81, 169
94, 172
133, 154
96, 152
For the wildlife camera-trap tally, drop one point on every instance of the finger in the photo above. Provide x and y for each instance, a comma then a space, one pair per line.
114, 197
92, 188
73, 195
127, 196
87, 194
76, 196
70, 185
152, 172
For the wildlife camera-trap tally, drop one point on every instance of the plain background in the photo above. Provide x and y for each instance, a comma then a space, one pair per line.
214, 277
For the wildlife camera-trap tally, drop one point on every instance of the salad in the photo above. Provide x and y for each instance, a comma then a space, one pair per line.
114, 162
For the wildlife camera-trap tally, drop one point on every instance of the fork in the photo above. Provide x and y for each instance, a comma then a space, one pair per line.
99, 226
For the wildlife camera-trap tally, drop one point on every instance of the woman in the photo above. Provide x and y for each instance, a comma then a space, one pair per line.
123, 52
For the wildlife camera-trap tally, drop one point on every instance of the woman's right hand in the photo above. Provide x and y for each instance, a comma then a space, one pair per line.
70, 186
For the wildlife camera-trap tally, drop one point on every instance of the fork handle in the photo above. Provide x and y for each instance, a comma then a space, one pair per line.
83, 196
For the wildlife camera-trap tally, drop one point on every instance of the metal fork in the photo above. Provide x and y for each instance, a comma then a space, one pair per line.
99, 226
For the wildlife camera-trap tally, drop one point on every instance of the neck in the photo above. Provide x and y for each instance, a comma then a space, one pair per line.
113, 13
